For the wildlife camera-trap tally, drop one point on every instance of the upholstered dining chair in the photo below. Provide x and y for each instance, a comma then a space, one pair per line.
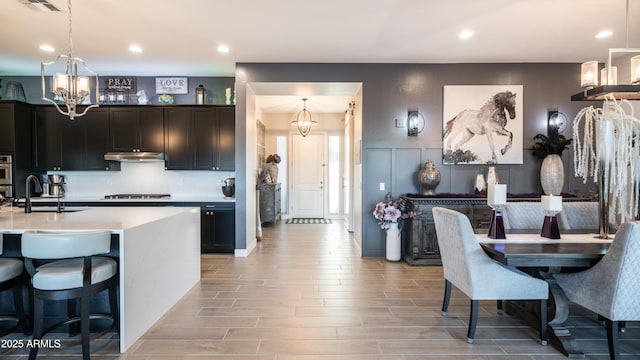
11, 277
75, 273
467, 267
610, 287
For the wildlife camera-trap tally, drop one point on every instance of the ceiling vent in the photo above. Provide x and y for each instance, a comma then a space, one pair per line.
39, 5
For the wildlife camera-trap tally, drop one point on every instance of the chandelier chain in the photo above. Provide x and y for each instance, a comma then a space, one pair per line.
70, 30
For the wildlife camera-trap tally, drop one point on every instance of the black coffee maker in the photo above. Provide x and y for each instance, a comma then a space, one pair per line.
229, 188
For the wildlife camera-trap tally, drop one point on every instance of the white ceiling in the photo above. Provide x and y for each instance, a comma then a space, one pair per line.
180, 37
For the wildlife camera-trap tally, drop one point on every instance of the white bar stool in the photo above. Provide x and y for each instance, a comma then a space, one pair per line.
11, 277
74, 273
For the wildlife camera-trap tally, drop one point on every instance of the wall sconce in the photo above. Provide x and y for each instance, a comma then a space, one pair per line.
556, 121
415, 123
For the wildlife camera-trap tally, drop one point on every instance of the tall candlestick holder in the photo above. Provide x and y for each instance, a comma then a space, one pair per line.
550, 229
496, 228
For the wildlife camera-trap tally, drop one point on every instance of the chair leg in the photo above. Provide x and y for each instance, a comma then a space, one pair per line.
71, 313
113, 304
499, 306
84, 324
19, 305
38, 323
612, 339
473, 320
543, 322
447, 296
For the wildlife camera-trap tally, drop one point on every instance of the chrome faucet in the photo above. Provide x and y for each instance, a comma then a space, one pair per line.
38, 188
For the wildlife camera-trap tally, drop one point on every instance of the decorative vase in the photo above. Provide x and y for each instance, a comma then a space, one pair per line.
273, 172
429, 178
552, 174
492, 176
480, 184
258, 221
393, 242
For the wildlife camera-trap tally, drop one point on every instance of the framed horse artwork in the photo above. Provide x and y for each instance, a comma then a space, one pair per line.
482, 124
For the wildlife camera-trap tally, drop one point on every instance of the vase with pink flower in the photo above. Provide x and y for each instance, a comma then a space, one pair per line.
390, 213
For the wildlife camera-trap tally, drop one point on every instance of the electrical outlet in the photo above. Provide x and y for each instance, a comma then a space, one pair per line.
399, 123
381, 186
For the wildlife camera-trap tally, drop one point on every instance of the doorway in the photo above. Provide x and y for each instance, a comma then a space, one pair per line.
308, 175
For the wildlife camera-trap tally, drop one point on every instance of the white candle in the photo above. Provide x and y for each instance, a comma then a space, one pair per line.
496, 194
551, 203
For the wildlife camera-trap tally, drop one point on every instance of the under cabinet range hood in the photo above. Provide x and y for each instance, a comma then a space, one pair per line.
134, 156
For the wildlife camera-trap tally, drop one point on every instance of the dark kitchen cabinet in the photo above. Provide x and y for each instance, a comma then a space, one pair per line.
64, 144
227, 139
217, 231
15, 140
200, 138
136, 128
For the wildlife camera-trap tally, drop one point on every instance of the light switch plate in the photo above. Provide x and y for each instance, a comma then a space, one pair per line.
381, 186
399, 123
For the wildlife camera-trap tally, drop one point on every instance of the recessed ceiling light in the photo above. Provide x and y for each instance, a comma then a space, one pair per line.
47, 48
465, 34
223, 48
135, 49
604, 34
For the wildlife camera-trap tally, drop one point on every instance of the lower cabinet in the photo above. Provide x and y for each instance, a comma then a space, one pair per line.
217, 229
420, 243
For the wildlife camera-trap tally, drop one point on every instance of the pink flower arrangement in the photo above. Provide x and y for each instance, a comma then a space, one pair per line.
392, 211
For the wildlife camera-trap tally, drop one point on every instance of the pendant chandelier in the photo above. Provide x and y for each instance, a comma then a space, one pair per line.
303, 121
608, 84
70, 88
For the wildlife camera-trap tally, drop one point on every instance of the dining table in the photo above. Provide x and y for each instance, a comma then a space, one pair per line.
542, 257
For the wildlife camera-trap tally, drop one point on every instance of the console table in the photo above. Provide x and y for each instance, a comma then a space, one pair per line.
420, 243
270, 203
419, 240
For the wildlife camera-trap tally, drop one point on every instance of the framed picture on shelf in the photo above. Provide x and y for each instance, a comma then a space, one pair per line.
482, 124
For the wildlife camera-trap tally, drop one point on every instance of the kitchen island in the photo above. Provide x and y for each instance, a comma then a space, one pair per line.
158, 250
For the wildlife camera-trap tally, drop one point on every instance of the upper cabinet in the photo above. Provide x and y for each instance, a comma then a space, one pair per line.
64, 144
15, 135
192, 137
136, 128
200, 138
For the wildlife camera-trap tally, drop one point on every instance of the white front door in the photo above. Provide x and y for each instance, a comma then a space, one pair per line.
308, 173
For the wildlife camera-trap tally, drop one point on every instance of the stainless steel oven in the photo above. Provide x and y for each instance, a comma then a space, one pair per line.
6, 191
6, 172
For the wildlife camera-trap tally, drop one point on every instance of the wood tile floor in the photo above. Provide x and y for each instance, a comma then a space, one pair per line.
305, 293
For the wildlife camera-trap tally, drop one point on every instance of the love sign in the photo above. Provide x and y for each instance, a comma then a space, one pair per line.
172, 85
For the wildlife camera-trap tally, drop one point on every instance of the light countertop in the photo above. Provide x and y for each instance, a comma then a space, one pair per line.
176, 198
14, 220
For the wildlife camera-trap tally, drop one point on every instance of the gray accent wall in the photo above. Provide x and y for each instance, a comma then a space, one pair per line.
393, 158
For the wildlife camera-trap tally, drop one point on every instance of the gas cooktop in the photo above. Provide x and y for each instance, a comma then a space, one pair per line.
137, 196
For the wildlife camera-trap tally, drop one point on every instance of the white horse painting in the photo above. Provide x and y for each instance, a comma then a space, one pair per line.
491, 120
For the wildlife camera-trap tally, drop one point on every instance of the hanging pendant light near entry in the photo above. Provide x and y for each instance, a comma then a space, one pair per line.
70, 88
303, 121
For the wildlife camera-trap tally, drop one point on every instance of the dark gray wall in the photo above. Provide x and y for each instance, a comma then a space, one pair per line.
390, 90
